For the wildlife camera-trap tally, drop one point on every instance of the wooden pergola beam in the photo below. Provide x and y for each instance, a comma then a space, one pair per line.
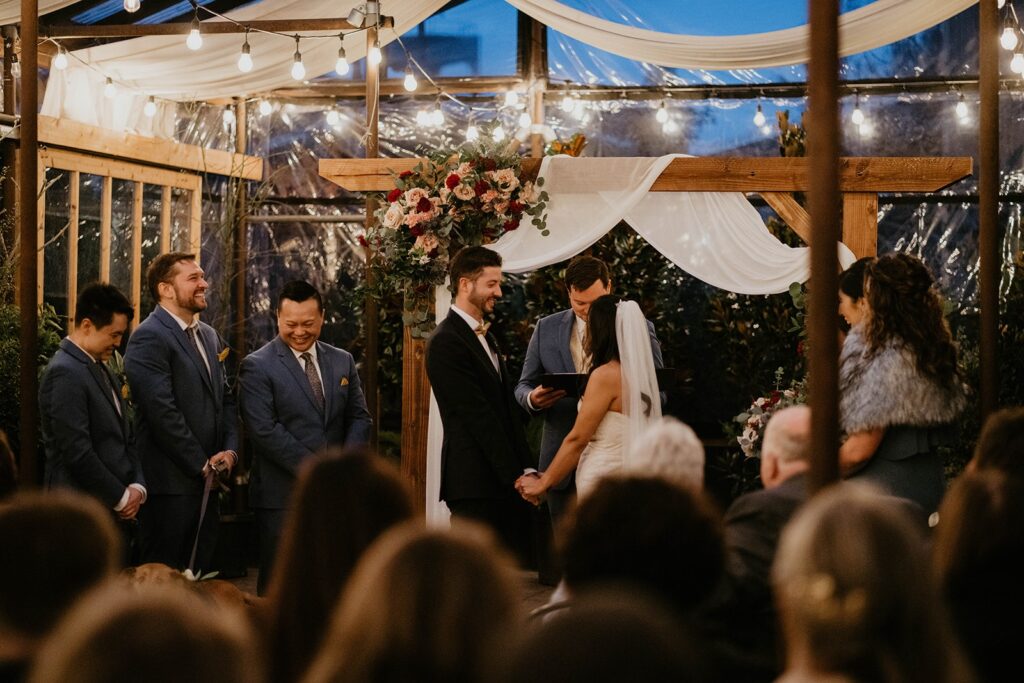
715, 174
182, 28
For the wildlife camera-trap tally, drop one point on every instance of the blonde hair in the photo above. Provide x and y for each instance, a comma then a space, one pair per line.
669, 449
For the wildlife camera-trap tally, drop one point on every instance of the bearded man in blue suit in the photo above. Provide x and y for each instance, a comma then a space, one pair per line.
297, 396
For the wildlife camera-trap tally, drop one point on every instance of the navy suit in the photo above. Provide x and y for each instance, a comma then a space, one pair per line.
549, 352
89, 445
285, 425
185, 415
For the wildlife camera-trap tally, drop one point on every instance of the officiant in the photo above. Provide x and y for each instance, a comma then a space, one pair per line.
557, 347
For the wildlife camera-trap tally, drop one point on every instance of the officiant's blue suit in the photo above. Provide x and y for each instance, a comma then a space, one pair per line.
549, 352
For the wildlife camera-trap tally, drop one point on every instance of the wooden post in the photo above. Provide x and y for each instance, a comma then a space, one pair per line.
106, 219
28, 165
415, 416
241, 242
990, 267
136, 294
166, 197
370, 362
537, 77
860, 223
74, 181
823, 145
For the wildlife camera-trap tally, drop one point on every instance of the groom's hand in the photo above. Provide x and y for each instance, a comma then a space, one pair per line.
543, 397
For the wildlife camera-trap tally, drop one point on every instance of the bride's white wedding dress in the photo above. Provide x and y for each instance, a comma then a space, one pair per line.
603, 455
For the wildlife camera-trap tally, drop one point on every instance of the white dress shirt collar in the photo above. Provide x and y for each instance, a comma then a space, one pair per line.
181, 323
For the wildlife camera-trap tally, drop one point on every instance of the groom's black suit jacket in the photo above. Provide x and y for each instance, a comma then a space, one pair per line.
484, 449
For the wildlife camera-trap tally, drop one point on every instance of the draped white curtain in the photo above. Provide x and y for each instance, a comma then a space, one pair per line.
717, 237
880, 23
10, 10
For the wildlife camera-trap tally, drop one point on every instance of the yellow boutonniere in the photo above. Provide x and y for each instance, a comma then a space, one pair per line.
124, 392
223, 354
343, 382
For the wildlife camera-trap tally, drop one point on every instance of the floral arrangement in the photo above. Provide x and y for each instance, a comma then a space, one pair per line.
468, 196
755, 418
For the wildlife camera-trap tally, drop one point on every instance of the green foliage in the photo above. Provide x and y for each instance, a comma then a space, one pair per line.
10, 361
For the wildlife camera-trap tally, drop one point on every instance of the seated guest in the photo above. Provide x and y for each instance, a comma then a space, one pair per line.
1001, 444
978, 559
343, 501
669, 449
422, 605
154, 636
55, 548
647, 532
855, 598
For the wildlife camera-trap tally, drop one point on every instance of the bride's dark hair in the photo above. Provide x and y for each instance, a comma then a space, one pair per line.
600, 341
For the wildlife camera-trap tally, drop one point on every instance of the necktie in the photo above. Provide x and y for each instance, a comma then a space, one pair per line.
110, 386
481, 329
191, 333
314, 380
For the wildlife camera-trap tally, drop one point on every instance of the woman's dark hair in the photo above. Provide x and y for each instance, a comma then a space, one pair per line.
851, 280
601, 342
1001, 444
906, 308
343, 500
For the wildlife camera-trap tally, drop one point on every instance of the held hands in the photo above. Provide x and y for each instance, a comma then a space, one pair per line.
543, 397
220, 464
531, 488
131, 509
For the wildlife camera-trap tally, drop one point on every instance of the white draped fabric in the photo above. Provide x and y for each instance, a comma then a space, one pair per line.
717, 237
10, 10
880, 23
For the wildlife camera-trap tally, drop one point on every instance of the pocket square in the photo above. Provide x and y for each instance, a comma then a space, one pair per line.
343, 382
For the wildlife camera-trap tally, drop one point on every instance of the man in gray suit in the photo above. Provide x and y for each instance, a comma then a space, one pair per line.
86, 434
297, 395
187, 421
557, 346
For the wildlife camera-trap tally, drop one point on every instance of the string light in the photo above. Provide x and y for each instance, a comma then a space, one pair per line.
511, 98
865, 129
245, 58
341, 66
472, 134
195, 38
759, 119
1000, 3
374, 56
670, 127
132, 6
422, 118
568, 102
298, 68
1008, 38
228, 117
525, 120
265, 108
498, 133
60, 62
579, 110
857, 116
150, 108
409, 83
1017, 63
662, 115
15, 66
109, 89
962, 112
333, 117
437, 116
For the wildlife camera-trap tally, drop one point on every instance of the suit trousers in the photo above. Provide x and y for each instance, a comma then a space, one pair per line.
269, 523
509, 518
168, 530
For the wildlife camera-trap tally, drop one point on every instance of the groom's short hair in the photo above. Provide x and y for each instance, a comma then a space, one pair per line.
469, 262
583, 271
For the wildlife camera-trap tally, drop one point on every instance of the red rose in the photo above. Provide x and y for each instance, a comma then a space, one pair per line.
404, 174
416, 231
394, 195
481, 187
511, 225
800, 348
362, 241
489, 164
515, 207
452, 181
424, 205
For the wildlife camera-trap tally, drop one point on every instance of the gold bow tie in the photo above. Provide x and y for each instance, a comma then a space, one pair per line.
481, 329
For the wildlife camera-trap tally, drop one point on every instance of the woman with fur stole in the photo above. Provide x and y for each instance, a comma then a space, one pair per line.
900, 386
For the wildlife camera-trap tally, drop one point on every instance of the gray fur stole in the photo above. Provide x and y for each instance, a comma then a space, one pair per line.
885, 389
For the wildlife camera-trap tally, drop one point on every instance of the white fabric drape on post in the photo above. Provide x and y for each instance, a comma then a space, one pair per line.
880, 23
717, 237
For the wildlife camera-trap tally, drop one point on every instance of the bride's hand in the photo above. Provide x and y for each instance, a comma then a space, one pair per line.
531, 488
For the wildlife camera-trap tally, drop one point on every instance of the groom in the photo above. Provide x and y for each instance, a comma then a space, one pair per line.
484, 449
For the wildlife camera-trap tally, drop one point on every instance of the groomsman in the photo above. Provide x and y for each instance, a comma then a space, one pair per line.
297, 395
555, 347
86, 434
484, 449
187, 420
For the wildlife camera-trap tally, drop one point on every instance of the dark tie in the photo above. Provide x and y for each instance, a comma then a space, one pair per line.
191, 332
314, 380
110, 386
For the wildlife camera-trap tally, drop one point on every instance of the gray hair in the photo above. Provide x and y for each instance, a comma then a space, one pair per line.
669, 449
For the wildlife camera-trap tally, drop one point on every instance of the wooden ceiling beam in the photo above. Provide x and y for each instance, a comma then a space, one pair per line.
58, 31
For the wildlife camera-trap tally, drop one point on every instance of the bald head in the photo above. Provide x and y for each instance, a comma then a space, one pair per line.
786, 449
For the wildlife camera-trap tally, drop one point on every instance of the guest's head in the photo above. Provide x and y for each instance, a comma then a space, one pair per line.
669, 449
475, 274
8, 468
852, 304
600, 341
586, 279
342, 502
648, 532
102, 314
158, 636
855, 598
905, 308
56, 546
609, 635
422, 605
1001, 444
787, 445
300, 315
177, 283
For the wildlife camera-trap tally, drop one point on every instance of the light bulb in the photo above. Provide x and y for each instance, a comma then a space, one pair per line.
109, 89
1000, 3
498, 133
1008, 38
265, 108
857, 116
662, 115
150, 108
15, 67
422, 118
472, 134
568, 103
961, 108
579, 110
511, 98
670, 128
865, 129
1017, 63
298, 68
341, 66
333, 117
228, 116
132, 6
60, 62
437, 116
374, 56
245, 58
409, 83
525, 121
759, 117
195, 39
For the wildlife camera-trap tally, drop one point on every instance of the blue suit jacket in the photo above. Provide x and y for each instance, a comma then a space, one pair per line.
184, 414
89, 446
282, 420
549, 352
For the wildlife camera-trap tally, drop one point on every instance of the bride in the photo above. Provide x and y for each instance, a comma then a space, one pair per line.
620, 401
